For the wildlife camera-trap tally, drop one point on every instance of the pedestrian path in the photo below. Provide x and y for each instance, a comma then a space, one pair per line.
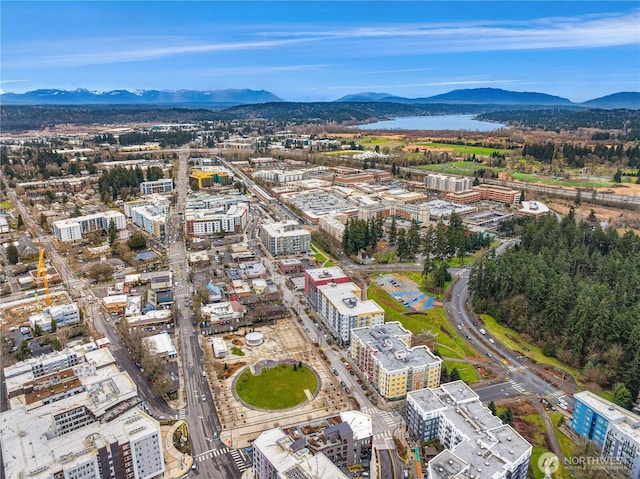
516, 369
517, 386
239, 460
182, 413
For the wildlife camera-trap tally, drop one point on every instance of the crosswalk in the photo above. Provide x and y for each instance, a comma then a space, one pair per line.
239, 460
516, 369
558, 394
182, 413
210, 454
517, 386
381, 436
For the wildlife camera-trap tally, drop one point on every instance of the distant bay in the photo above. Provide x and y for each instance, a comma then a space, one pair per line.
441, 122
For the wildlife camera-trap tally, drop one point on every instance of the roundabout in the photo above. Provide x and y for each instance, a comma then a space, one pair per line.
276, 385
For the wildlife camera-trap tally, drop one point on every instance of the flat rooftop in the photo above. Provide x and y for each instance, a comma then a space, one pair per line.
345, 297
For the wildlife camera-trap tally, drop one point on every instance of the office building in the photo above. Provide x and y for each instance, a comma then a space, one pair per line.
447, 183
499, 194
477, 444
164, 185
615, 430
276, 455
384, 356
73, 229
285, 238
314, 278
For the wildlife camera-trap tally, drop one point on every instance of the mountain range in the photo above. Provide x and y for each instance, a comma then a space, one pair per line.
230, 97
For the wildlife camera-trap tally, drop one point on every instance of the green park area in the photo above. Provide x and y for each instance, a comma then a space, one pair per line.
280, 387
577, 183
514, 341
465, 149
465, 168
449, 343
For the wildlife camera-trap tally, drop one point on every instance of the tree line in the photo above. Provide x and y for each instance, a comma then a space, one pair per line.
578, 155
124, 182
574, 289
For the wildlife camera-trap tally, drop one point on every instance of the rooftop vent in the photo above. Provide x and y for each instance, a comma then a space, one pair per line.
450, 462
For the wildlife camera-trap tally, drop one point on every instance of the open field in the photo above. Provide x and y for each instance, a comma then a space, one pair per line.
467, 372
341, 152
463, 149
286, 386
465, 168
504, 335
577, 183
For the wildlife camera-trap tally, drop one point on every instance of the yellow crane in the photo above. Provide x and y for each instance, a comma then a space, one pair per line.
42, 273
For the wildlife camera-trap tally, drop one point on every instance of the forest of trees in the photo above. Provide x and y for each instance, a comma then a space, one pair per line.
165, 138
577, 155
575, 290
119, 181
362, 235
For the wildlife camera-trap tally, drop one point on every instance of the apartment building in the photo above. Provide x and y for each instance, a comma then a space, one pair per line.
73, 229
615, 430
341, 310
152, 219
285, 238
276, 455
211, 177
477, 444
156, 200
447, 183
384, 356
164, 185
314, 278
62, 315
499, 194
281, 177
210, 222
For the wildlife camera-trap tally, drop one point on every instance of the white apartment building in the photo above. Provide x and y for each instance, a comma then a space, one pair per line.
341, 309
277, 456
285, 238
384, 356
156, 200
63, 315
477, 443
209, 222
164, 185
454, 184
281, 176
153, 220
73, 229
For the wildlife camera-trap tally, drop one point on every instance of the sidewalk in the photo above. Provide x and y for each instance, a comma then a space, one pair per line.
177, 464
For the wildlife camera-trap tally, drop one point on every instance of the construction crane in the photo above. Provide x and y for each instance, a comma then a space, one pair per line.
42, 273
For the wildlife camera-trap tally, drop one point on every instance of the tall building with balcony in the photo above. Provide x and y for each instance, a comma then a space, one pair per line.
393, 368
341, 310
285, 238
477, 443
615, 430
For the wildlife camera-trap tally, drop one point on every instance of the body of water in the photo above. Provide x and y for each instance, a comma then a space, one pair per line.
442, 122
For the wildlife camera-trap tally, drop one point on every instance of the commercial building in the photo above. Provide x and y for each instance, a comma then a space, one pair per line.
158, 186
285, 238
290, 266
314, 278
276, 455
499, 194
210, 222
615, 430
281, 177
315, 204
533, 208
447, 183
161, 345
212, 177
341, 310
383, 354
73, 229
477, 444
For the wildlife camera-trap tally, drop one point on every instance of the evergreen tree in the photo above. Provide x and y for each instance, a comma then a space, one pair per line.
54, 325
393, 231
112, 232
618, 176
622, 396
492, 408
413, 238
20, 222
402, 249
12, 254
454, 375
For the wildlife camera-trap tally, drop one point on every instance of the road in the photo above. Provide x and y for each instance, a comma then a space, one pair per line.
212, 457
518, 370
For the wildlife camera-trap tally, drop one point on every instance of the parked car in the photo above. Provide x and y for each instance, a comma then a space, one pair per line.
343, 384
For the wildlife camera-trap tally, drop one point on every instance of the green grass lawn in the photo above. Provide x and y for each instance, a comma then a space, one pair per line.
449, 343
277, 388
467, 372
341, 152
237, 351
531, 178
608, 395
465, 149
534, 353
454, 167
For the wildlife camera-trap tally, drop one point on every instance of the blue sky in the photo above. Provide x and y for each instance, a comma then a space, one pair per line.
305, 51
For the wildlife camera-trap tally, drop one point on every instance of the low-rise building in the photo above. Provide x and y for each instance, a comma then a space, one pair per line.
285, 238
477, 444
164, 185
499, 194
341, 310
62, 315
290, 266
73, 229
615, 430
394, 368
533, 208
161, 345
